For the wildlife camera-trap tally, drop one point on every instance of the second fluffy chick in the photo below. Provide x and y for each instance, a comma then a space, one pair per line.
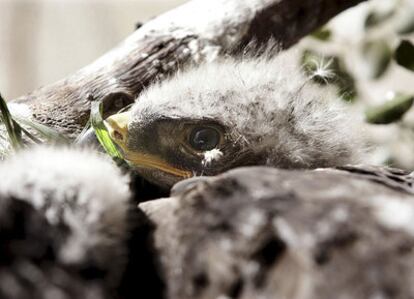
63, 224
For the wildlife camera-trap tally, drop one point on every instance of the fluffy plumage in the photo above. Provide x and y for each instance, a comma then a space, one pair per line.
63, 224
269, 112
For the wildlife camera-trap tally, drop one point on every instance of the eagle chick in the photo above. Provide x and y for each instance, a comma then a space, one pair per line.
256, 111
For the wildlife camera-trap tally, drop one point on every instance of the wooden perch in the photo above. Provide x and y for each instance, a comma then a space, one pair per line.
269, 233
197, 31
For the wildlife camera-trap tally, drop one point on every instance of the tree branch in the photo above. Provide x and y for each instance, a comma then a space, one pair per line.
196, 31
260, 232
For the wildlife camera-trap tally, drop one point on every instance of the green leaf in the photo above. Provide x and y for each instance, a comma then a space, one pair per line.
391, 111
102, 133
13, 128
31, 136
377, 54
404, 55
344, 81
50, 134
83, 133
322, 34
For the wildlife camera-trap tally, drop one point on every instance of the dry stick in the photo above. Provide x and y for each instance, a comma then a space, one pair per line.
196, 31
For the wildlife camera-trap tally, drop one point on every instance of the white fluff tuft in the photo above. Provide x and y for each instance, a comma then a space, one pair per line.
77, 189
323, 69
212, 155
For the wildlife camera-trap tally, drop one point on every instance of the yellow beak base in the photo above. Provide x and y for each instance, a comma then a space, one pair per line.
117, 126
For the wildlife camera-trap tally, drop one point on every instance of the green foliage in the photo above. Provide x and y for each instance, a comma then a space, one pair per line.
48, 133
13, 129
404, 55
391, 111
102, 133
322, 34
377, 54
82, 134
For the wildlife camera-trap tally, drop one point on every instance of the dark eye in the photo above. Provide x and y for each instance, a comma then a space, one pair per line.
204, 138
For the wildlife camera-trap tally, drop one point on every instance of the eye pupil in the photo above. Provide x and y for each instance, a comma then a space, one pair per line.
204, 139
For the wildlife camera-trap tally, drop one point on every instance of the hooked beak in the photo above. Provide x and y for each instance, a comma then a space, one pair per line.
117, 126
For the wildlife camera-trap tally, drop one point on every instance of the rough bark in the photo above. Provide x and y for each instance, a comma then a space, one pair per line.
196, 31
268, 233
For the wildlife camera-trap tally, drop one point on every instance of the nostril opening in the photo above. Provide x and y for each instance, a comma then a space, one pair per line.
118, 135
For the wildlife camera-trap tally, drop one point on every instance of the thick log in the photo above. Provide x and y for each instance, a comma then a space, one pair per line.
197, 31
270, 233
